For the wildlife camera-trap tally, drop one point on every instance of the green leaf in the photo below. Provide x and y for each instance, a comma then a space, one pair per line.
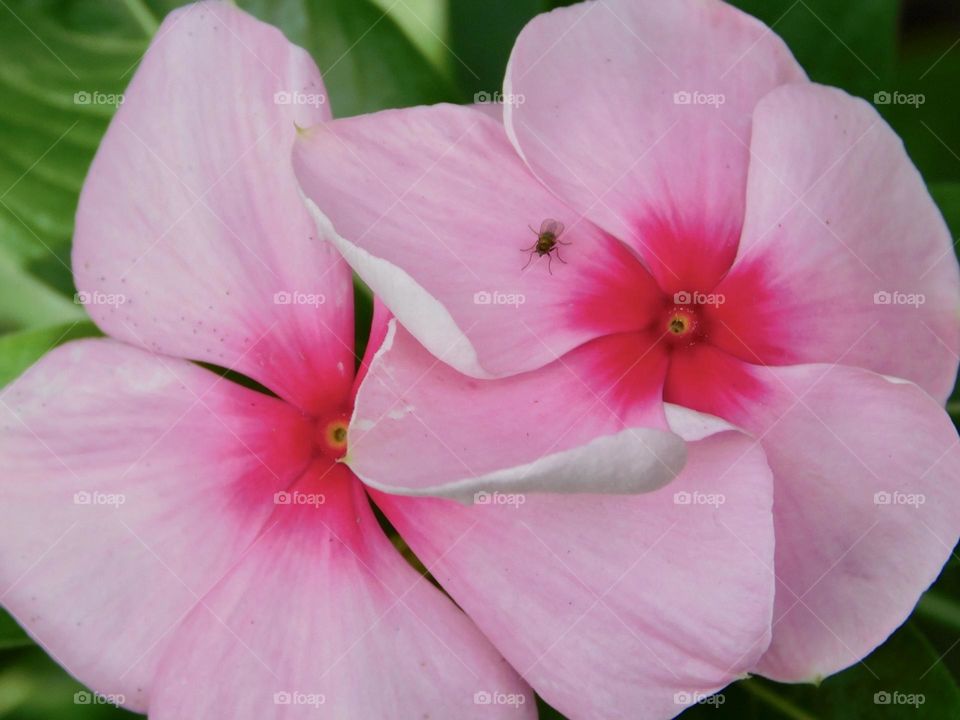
35, 688
938, 607
904, 678
12, 635
20, 350
938, 614
27, 302
368, 62
482, 36
947, 197
425, 23
929, 67
849, 44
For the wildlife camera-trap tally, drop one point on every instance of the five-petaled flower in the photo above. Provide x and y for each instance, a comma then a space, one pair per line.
707, 441
724, 259
184, 545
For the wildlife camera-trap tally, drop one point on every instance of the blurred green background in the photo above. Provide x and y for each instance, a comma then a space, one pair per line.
392, 53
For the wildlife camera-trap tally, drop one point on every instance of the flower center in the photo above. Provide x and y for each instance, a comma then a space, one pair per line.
331, 435
682, 324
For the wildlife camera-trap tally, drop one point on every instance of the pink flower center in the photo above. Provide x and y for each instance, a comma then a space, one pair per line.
331, 435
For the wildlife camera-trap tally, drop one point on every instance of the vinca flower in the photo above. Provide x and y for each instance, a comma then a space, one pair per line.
184, 545
749, 261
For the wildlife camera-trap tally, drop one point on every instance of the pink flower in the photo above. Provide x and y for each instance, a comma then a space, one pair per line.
737, 241
182, 544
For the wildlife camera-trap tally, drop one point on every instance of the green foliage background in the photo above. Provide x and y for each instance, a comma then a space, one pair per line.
377, 54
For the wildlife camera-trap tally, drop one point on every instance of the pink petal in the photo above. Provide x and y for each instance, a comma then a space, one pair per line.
435, 211
192, 238
490, 109
617, 607
589, 422
323, 618
839, 221
599, 115
867, 509
131, 485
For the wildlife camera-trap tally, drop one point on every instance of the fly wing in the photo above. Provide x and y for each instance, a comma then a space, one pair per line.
554, 227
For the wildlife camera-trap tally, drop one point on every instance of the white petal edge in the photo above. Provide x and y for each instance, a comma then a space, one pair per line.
657, 455
411, 304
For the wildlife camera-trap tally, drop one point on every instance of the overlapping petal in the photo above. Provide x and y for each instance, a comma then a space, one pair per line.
614, 607
590, 422
192, 239
438, 215
844, 257
637, 113
662, 124
867, 506
132, 483
322, 617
